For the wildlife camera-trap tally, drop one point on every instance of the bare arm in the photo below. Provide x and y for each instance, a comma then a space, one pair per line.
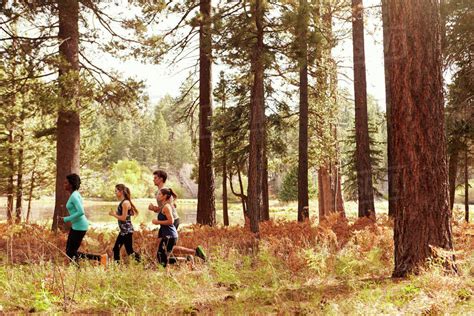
153, 208
125, 208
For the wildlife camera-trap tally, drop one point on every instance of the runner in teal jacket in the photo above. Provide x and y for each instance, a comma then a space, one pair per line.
76, 212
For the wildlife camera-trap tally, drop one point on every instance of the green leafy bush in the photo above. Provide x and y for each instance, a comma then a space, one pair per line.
289, 188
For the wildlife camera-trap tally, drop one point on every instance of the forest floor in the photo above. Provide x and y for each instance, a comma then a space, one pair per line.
338, 267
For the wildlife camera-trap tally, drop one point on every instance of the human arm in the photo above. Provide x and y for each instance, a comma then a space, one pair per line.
125, 209
153, 208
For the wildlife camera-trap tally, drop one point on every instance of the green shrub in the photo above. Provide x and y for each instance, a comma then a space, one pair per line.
129, 172
289, 188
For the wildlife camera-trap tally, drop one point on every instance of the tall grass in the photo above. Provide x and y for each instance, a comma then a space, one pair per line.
332, 269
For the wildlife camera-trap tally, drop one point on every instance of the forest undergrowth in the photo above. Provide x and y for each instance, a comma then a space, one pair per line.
337, 267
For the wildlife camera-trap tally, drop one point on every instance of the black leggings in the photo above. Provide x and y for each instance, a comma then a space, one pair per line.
164, 250
127, 241
74, 240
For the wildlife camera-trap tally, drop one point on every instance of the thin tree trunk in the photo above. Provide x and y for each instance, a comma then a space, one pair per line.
206, 208
452, 175
265, 208
303, 194
244, 198
241, 195
337, 192
466, 185
225, 209
30, 193
257, 124
392, 170
11, 170
422, 215
364, 169
68, 124
19, 186
11, 121
336, 165
19, 176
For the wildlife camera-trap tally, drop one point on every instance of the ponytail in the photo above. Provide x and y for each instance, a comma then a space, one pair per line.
169, 193
127, 196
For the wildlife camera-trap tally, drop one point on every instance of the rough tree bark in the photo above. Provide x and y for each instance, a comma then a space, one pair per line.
337, 190
206, 208
364, 169
330, 193
324, 196
329, 178
303, 194
68, 124
392, 170
257, 123
422, 214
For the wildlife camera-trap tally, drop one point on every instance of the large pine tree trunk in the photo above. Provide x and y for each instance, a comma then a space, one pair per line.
392, 170
452, 175
325, 198
206, 208
422, 214
337, 189
363, 166
303, 194
329, 178
68, 124
329, 191
257, 124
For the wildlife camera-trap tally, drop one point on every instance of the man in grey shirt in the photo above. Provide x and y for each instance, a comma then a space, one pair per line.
159, 179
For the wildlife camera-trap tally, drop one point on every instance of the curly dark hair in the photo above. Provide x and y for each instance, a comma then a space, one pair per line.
74, 180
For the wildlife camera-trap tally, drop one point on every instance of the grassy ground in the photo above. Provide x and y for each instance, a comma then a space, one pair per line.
336, 268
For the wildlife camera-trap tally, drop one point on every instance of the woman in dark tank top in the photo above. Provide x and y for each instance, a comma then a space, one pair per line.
167, 235
123, 215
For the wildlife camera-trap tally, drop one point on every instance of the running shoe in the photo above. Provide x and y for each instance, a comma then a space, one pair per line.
200, 253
